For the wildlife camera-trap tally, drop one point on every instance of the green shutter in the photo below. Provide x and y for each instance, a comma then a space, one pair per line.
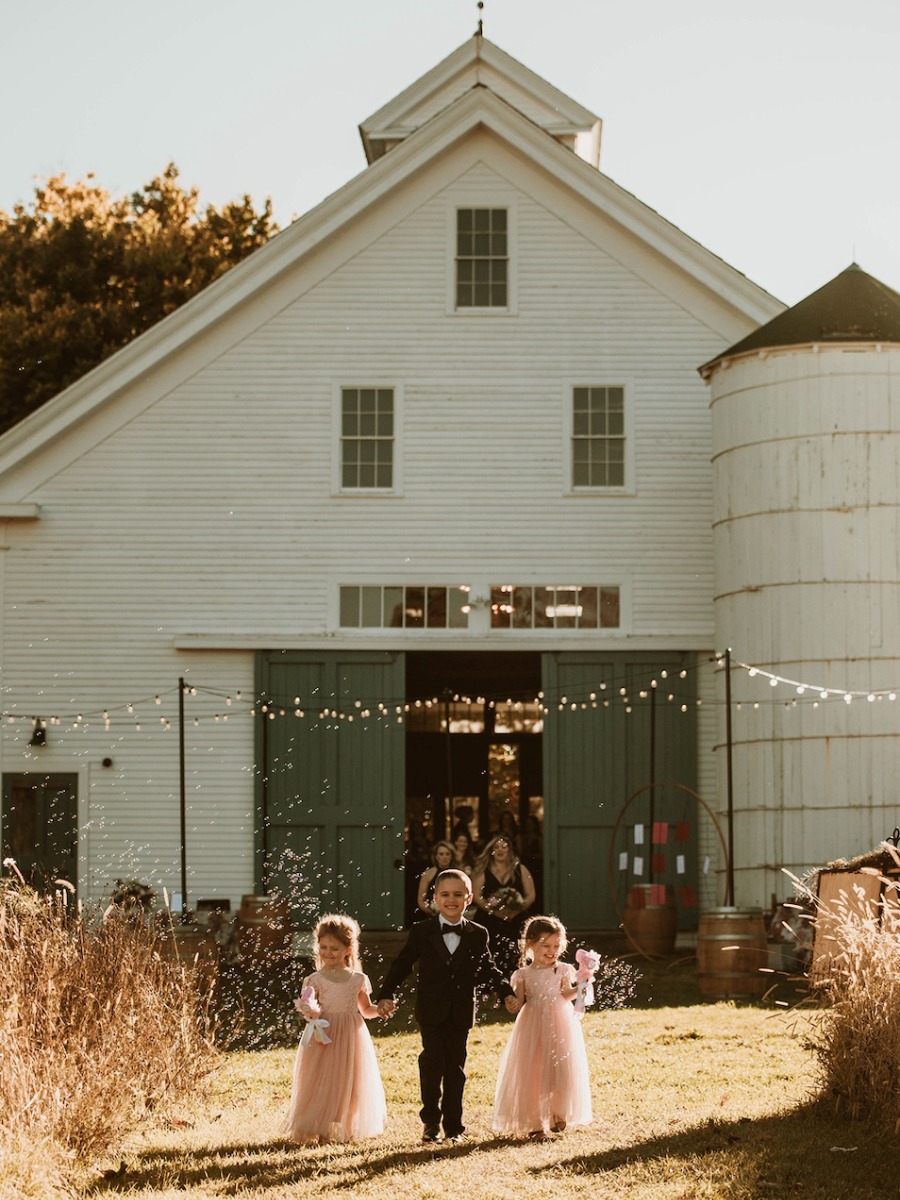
330, 789
594, 761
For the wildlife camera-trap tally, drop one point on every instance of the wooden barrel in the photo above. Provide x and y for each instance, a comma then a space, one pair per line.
651, 927
263, 926
731, 952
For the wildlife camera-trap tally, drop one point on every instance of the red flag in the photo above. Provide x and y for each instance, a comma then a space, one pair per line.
660, 833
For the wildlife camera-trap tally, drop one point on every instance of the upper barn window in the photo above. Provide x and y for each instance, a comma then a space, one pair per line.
482, 258
598, 437
367, 438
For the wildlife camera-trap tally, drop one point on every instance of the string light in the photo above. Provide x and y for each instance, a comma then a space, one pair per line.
802, 686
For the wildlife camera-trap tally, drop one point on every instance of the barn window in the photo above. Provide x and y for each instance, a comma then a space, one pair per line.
410, 606
367, 437
572, 606
598, 437
482, 258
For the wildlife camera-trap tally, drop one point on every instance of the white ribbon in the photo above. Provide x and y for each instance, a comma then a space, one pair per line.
585, 996
315, 1028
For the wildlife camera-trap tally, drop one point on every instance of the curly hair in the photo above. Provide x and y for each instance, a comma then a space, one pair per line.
344, 930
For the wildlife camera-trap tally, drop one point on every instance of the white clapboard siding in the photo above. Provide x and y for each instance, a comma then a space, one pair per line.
209, 508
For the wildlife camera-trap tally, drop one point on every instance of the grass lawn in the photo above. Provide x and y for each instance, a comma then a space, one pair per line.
691, 1101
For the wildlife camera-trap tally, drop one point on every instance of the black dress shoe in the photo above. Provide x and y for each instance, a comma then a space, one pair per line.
431, 1133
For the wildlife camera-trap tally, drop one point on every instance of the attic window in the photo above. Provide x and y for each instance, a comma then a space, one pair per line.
482, 258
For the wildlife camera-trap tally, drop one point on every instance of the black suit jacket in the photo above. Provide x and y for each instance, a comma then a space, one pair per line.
447, 982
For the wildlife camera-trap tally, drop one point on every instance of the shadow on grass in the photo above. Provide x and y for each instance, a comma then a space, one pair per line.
276, 1164
806, 1152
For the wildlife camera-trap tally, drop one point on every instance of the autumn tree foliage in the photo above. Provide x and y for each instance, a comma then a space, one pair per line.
83, 272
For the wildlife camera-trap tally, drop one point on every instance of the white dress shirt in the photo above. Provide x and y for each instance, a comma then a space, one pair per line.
451, 939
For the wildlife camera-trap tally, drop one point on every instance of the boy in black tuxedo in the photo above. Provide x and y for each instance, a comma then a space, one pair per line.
453, 957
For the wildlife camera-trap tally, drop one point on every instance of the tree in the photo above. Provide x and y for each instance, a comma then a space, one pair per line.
82, 273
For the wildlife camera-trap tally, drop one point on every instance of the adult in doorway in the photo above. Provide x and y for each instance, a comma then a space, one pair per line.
503, 888
508, 827
443, 856
464, 852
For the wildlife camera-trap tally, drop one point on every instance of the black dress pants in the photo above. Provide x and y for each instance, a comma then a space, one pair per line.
442, 1075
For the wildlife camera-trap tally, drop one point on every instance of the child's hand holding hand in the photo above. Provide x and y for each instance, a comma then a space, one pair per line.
386, 1008
512, 1005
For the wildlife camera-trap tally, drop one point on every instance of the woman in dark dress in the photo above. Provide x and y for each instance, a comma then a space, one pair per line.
442, 857
504, 891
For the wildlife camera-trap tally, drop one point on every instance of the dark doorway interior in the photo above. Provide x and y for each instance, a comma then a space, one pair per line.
473, 750
40, 826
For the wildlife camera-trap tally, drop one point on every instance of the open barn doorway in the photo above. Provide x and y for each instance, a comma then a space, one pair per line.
474, 757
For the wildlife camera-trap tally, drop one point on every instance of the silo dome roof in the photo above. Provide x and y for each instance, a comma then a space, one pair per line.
852, 307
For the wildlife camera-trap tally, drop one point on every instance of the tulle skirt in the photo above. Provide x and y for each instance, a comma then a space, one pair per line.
337, 1095
543, 1077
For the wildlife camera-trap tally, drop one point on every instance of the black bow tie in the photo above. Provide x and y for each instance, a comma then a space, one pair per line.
445, 929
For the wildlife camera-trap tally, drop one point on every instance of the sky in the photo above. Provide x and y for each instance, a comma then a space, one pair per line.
768, 132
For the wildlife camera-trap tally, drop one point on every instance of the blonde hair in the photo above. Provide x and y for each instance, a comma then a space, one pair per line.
536, 928
484, 859
344, 930
443, 845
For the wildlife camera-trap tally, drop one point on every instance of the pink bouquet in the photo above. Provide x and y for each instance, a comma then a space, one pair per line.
588, 965
308, 1004
315, 1022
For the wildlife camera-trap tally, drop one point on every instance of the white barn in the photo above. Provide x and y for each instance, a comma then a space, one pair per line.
418, 503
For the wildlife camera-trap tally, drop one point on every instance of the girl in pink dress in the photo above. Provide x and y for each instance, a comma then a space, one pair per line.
543, 1082
337, 1094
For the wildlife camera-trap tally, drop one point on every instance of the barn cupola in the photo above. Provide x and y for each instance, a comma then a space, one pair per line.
479, 63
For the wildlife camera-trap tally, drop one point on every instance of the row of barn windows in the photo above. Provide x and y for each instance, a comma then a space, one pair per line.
512, 606
597, 442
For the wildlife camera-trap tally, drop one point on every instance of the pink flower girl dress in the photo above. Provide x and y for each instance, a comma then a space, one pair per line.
543, 1081
337, 1094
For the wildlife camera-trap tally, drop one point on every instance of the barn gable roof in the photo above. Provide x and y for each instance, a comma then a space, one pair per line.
251, 292
852, 307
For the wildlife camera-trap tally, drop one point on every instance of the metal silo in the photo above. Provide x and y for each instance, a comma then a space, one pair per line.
806, 436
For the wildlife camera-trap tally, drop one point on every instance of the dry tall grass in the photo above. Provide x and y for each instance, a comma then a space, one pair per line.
857, 1031
96, 1028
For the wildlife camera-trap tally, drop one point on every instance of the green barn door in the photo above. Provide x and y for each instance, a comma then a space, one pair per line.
595, 758
39, 827
330, 786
